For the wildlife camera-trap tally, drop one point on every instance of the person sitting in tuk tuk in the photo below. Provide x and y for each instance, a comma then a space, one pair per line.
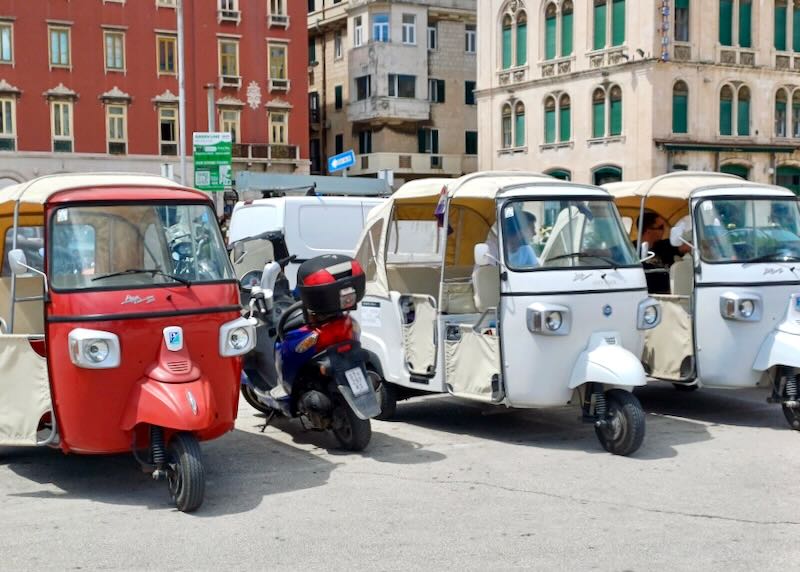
652, 233
518, 232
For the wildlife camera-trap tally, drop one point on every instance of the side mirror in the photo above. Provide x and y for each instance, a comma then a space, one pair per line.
482, 256
18, 261
269, 277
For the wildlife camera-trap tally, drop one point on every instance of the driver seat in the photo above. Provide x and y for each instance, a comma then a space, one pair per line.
486, 287
681, 276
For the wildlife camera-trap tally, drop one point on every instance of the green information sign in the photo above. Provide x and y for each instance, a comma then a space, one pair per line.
212, 161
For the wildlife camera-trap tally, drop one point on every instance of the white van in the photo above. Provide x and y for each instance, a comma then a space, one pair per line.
310, 226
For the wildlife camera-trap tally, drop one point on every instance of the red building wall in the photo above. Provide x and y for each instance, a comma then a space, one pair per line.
142, 18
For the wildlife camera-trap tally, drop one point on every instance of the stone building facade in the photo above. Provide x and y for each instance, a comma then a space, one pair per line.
600, 90
393, 81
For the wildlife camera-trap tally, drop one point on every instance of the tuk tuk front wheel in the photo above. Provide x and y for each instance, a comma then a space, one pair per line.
792, 415
623, 431
352, 432
186, 476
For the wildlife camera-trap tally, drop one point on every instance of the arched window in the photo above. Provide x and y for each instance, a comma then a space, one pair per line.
606, 174
561, 174
600, 24
605, 26
737, 169
522, 39
599, 113
781, 119
615, 112
617, 22
506, 127
550, 120
726, 111
743, 112
789, 177
519, 124
550, 27
564, 119
507, 25
680, 108
781, 24
567, 11
795, 115
744, 11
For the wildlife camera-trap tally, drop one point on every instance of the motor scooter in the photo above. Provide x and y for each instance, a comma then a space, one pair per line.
308, 362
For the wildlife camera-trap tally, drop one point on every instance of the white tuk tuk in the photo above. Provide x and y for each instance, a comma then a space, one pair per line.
731, 303
511, 289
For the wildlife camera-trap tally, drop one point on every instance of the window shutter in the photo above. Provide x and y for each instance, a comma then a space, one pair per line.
680, 113
796, 29
550, 126
780, 28
506, 48
616, 118
469, 93
421, 141
745, 24
338, 96
618, 23
519, 130
743, 119
565, 125
522, 44
599, 119
566, 35
599, 27
725, 117
726, 22
434, 141
550, 38
440, 88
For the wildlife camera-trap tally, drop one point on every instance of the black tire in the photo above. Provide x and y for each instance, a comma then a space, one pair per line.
387, 397
792, 415
624, 432
186, 476
685, 388
352, 432
252, 399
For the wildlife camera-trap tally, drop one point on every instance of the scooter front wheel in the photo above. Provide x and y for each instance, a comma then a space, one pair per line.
623, 430
186, 476
252, 399
352, 432
792, 415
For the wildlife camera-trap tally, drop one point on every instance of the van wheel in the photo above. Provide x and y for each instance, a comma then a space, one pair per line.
792, 415
186, 476
387, 396
685, 388
352, 432
623, 432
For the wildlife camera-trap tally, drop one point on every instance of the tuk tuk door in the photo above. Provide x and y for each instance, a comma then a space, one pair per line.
24, 389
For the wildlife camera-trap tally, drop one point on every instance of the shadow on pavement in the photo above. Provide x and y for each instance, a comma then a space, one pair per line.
242, 470
559, 428
738, 407
382, 447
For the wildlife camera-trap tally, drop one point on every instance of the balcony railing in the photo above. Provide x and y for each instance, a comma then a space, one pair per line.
229, 16
415, 163
255, 152
389, 108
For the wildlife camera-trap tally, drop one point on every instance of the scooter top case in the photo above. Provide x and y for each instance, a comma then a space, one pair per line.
330, 284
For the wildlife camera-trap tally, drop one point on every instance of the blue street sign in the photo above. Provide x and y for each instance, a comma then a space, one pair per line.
341, 161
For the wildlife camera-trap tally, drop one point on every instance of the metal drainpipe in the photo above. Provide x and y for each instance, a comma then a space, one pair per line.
323, 108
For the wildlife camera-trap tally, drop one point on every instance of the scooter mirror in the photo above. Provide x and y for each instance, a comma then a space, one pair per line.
17, 261
269, 277
644, 248
482, 256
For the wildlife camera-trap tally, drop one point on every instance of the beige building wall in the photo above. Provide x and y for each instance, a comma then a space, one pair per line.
646, 67
394, 122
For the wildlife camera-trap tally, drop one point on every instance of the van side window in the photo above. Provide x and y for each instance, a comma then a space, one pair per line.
30, 239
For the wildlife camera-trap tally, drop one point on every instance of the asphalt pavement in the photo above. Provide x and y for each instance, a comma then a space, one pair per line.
449, 485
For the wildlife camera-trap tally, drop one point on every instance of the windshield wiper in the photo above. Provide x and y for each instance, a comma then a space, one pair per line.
774, 257
152, 271
613, 263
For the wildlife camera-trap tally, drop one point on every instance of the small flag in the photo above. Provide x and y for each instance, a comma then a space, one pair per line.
440, 206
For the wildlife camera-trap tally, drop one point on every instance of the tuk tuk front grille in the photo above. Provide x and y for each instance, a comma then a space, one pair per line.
179, 366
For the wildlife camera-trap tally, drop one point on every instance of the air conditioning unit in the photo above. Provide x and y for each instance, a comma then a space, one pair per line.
281, 20
278, 84
229, 16
230, 81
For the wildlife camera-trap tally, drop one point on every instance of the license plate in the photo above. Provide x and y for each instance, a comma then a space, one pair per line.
357, 381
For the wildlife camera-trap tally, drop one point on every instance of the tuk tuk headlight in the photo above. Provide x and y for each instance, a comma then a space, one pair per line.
649, 315
743, 306
94, 349
237, 337
548, 319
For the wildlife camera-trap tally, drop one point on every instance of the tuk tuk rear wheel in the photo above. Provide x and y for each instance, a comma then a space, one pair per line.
352, 432
252, 400
186, 476
623, 432
387, 396
792, 415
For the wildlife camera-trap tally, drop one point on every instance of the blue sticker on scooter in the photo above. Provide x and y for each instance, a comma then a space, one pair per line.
607, 310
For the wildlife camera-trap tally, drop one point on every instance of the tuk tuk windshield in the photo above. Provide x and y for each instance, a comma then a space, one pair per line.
566, 233
135, 245
748, 230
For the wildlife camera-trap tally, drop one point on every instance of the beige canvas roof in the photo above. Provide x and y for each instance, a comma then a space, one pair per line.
38, 191
678, 185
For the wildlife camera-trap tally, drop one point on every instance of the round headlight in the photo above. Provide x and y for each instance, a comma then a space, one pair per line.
239, 338
97, 350
553, 321
650, 315
746, 308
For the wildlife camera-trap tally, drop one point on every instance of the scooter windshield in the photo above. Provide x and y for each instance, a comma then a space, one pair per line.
568, 233
748, 230
135, 245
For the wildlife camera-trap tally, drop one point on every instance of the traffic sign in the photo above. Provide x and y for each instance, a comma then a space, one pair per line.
212, 161
341, 161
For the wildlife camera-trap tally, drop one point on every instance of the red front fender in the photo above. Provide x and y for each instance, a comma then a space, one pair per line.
179, 406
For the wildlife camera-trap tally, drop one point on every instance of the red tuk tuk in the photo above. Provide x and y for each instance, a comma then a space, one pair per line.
120, 323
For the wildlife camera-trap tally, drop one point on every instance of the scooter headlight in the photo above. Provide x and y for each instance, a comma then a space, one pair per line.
740, 306
237, 337
649, 315
548, 319
554, 321
94, 349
